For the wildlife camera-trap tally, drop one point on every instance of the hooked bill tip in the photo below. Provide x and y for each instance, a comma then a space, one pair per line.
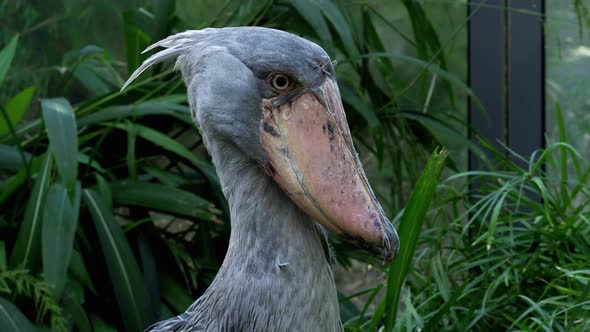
391, 241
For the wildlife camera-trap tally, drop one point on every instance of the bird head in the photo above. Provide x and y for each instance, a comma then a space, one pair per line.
274, 96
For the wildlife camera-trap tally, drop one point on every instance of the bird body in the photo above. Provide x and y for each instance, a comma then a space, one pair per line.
269, 111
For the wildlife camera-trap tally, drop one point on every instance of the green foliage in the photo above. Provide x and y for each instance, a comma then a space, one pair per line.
12, 319
6, 56
112, 216
505, 249
410, 227
63, 138
60, 220
15, 109
123, 269
26, 249
19, 282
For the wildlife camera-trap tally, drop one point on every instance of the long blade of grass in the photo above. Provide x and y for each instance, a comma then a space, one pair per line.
409, 230
111, 113
79, 271
174, 293
72, 303
124, 272
171, 145
3, 260
60, 219
99, 325
13, 183
11, 157
354, 99
131, 158
341, 26
311, 13
12, 319
26, 249
437, 126
16, 108
136, 40
6, 56
427, 38
377, 315
499, 204
164, 198
63, 138
426, 66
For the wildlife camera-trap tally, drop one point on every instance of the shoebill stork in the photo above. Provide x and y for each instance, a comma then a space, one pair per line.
268, 108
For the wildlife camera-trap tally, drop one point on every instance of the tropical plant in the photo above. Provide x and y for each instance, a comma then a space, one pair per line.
505, 249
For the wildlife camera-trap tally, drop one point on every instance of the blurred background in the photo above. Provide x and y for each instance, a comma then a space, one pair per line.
123, 182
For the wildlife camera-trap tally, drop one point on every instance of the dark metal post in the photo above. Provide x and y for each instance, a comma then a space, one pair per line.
526, 76
487, 67
506, 73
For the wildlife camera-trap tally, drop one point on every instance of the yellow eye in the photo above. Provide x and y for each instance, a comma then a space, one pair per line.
280, 82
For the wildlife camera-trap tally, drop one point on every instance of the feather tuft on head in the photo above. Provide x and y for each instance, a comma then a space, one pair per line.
174, 45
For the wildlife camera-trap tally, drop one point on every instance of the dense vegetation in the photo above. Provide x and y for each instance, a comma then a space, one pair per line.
111, 216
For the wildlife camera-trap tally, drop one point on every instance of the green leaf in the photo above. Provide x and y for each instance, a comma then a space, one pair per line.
16, 181
150, 271
161, 197
174, 293
171, 145
118, 112
16, 108
434, 69
94, 71
438, 127
348, 310
124, 272
79, 271
168, 178
6, 56
63, 138
131, 160
409, 230
105, 192
433, 323
26, 249
352, 98
373, 40
11, 158
136, 40
311, 13
86, 160
3, 264
72, 301
426, 37
333, 14
12, 319
163, 10
60, 220
99, 325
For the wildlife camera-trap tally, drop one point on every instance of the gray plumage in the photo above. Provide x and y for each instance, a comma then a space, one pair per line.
276, 275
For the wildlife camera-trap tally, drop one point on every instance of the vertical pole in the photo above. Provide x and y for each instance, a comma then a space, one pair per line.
507, 74
526, 77
487, 73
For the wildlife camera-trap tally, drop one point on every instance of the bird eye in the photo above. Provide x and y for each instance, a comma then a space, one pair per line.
280, 82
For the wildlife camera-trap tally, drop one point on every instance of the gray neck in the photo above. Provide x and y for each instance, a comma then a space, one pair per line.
268, 230
276, 275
